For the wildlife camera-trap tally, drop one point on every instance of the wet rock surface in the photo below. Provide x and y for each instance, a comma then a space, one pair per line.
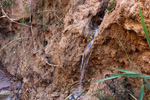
5, 85
9, 88
4, 80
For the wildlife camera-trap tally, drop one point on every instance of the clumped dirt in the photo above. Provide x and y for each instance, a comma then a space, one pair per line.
43, 50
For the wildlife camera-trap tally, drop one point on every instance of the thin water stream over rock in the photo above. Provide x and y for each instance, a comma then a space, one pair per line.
79, 92
85, 59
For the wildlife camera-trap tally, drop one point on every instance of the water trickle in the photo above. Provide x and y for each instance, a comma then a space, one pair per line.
85, 59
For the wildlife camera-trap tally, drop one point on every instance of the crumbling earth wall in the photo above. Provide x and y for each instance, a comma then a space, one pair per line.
43, 46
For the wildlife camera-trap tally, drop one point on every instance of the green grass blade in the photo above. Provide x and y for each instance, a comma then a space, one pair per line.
126, 54
144, 27
148, 84
131, 75
141, 92
106, 79
147, 37
132, 63
125, 71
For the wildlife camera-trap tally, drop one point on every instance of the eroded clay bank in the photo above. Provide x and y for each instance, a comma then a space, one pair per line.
42, 43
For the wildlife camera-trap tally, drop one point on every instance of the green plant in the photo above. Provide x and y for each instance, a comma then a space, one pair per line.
127, 73
111, 6
144, 27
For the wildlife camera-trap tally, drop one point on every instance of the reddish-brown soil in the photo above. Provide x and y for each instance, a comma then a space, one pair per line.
43, 50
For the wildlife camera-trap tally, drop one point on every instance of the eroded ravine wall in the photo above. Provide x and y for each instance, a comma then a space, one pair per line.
59, 35
123, 23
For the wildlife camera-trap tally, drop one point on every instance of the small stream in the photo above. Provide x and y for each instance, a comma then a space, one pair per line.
79, 91
85, 59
